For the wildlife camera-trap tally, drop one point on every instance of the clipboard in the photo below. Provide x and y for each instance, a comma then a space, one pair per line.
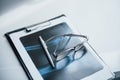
29, 51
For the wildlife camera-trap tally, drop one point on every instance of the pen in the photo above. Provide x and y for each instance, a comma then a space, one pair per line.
46, 51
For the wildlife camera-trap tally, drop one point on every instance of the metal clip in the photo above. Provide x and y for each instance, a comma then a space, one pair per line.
37, 25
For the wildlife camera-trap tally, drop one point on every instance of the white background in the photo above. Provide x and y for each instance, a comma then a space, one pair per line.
98, 19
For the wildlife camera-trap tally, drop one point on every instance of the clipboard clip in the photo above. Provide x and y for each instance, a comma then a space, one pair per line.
37, 25
41, 24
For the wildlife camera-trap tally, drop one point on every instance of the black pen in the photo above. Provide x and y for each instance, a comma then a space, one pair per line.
46, 51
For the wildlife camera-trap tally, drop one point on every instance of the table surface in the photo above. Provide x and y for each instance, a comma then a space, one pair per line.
81, 14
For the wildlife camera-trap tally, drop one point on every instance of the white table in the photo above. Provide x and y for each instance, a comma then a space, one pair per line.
90, 17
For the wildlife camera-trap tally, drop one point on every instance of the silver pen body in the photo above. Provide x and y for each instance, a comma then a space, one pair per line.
46, 51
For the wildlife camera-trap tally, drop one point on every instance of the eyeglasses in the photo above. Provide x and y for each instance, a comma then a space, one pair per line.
66, 45
63, 49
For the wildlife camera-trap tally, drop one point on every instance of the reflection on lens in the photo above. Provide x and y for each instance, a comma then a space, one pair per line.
78, 54
63, 63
